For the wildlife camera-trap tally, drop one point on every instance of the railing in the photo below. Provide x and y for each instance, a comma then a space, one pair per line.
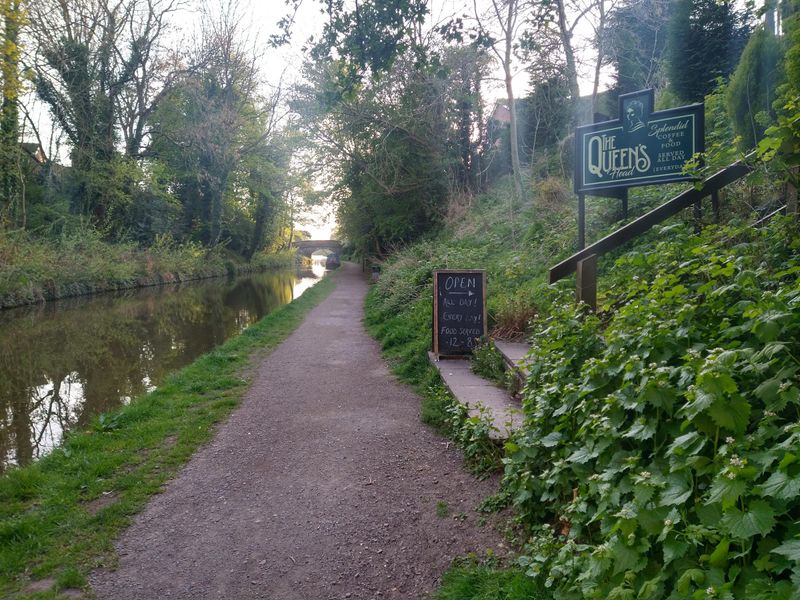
691, 197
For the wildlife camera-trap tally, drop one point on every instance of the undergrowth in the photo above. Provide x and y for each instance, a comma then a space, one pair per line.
658, 459
29, 265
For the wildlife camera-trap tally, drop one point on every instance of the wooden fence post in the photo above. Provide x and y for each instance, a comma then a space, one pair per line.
581, 221
586, 280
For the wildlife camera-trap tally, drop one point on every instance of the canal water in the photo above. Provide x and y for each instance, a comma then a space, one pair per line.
63, 362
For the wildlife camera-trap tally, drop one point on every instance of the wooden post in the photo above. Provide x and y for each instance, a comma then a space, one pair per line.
586, 280
715, 205
581, 221
625, 204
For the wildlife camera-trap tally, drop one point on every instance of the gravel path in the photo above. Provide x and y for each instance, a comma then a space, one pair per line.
323, 484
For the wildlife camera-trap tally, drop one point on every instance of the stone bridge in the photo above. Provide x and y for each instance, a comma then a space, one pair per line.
308, 247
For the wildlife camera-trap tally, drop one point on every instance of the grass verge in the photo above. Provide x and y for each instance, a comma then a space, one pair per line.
486, 583
60, 516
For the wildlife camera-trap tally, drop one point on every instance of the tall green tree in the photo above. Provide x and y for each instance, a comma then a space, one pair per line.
706, 39
753, 86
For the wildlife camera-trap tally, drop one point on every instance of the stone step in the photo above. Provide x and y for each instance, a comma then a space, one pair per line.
514, 354
473, 391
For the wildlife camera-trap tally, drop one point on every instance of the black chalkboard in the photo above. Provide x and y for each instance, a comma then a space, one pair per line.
459, 311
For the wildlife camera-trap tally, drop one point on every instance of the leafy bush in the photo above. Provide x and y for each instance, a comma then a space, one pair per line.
660, 444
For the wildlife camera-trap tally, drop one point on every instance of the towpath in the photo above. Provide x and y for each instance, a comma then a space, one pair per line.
323, 484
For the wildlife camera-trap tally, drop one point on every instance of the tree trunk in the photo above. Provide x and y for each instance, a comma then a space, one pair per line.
512, 107
566, 42
9, 116
598, 65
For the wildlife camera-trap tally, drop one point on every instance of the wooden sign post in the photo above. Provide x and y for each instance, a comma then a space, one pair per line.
459, 311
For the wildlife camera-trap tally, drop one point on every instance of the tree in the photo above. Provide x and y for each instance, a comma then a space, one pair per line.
507, 17
214, 130
88, 53
637, 34
706, 38
12, 18
753, 86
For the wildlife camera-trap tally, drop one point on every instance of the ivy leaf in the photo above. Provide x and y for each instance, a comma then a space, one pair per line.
781, 486
759, 520
790, 550
678, 490
733, 415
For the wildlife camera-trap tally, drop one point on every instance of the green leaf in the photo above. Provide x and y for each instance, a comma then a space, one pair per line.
674, 549
768, 390
551, 439
790, 550
758, 520
726, 491
781, 486
625, 557
678, 490
689, 577
719, 557
581, 456
733, 414
688, 444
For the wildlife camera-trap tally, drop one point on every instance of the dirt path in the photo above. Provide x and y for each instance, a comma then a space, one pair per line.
323, 484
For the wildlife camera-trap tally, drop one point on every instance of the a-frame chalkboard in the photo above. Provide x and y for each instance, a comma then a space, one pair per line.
459, 311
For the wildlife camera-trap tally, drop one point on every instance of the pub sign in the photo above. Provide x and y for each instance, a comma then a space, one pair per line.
642, 147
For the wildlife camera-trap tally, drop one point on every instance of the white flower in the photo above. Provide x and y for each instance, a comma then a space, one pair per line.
668, 523
736, 461
731, 475
645, 474
785, 386
729, 440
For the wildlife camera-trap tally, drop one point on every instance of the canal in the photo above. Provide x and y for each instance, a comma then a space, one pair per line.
63, 362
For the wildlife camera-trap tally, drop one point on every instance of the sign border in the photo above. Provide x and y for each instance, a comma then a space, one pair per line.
435, 328
696, 111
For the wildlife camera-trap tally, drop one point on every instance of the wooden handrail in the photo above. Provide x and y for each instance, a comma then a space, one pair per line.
639, 226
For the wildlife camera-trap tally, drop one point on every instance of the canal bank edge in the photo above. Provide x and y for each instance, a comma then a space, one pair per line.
60, 516
50, 290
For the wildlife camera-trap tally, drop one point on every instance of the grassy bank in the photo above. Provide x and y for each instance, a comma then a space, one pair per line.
59, 517
656, 458
36, 269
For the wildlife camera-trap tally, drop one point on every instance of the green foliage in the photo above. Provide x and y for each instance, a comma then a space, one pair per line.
753, 87
51, 523
80, 261
488, 362
662, 437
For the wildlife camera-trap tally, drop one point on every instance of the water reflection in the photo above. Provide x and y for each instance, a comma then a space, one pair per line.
63, 362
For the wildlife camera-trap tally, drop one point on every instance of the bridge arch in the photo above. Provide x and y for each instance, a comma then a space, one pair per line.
308, 247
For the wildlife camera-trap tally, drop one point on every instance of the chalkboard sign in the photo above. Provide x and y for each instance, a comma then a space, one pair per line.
459, 311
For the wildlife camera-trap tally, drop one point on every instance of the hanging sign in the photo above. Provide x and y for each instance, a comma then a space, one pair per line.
642, 147
459, 311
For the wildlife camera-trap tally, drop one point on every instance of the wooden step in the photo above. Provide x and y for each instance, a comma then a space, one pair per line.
473, 391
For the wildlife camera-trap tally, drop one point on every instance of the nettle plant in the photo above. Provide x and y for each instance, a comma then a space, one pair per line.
662, 442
